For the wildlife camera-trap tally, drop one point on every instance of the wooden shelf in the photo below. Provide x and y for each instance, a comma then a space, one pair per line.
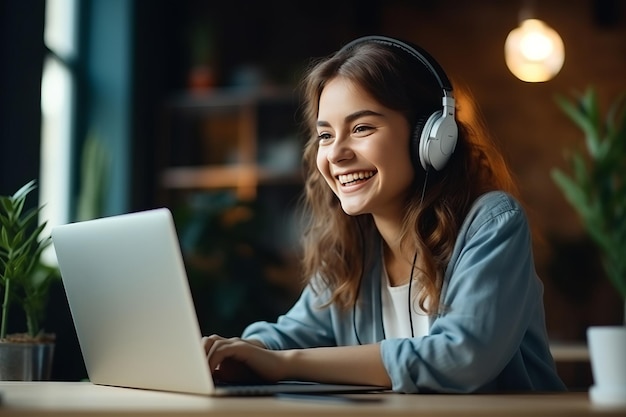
225, 99
569, 351
244, 178
239, 139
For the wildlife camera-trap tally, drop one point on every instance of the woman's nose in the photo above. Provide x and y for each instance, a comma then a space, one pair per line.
340, 151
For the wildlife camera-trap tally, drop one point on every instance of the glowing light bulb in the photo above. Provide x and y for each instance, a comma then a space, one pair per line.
534, 52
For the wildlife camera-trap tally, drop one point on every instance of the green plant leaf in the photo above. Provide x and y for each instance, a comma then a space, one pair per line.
23, 192
596, 188
581, 119
572, 190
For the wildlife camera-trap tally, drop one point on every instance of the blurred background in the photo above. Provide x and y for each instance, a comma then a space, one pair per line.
125, 105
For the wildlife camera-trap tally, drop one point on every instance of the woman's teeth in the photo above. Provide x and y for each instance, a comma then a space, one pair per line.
355, 176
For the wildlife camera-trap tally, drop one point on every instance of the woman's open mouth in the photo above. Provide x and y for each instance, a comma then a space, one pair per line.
355, 177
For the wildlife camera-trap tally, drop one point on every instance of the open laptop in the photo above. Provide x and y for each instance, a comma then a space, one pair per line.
130, 300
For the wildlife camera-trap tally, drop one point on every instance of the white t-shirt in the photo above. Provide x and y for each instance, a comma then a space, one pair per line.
395, 303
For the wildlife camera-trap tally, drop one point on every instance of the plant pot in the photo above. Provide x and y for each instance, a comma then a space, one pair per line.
25, 361
607, 350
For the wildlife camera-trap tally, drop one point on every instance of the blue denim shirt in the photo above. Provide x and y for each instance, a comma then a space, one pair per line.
489, 336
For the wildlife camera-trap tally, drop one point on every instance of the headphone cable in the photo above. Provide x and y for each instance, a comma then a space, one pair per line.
356, 333
415, 260
409, 296
358, 289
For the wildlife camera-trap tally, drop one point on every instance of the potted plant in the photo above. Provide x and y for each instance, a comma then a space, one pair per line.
25, 283
596, 189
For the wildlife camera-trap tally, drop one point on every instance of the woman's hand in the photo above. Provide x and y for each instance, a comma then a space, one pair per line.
238, 360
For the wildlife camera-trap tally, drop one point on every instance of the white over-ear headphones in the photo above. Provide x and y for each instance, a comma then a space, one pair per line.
434, 137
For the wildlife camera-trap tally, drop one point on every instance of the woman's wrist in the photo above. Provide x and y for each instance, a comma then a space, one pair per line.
256, 342
289, 363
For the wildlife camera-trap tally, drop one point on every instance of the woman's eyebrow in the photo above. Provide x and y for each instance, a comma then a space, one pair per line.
351, 117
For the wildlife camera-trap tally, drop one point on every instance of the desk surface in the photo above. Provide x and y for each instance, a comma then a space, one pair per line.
85, 399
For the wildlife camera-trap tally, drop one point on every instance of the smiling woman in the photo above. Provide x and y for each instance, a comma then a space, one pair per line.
417, 254
354, 155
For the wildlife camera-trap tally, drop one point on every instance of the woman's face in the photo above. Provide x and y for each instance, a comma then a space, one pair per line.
363, 151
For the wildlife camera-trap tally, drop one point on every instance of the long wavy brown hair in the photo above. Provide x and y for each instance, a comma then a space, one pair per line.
337, 247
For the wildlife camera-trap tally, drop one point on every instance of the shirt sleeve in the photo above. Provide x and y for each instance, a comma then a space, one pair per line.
491, 291
307, 324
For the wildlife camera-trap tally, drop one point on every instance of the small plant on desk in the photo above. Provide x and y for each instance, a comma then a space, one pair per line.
24, 280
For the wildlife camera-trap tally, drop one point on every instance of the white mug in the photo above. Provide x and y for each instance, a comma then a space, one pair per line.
607, 350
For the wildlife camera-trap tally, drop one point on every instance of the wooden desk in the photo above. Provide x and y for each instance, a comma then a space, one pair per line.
85, 399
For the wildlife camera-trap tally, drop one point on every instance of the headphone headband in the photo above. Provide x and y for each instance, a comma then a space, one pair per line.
420, 54
434, 138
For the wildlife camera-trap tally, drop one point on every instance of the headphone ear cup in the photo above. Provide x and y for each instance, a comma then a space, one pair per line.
425, 139
416, 138
438, 141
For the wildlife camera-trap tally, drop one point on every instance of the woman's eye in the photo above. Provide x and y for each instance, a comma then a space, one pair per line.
322, 137
362, 129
